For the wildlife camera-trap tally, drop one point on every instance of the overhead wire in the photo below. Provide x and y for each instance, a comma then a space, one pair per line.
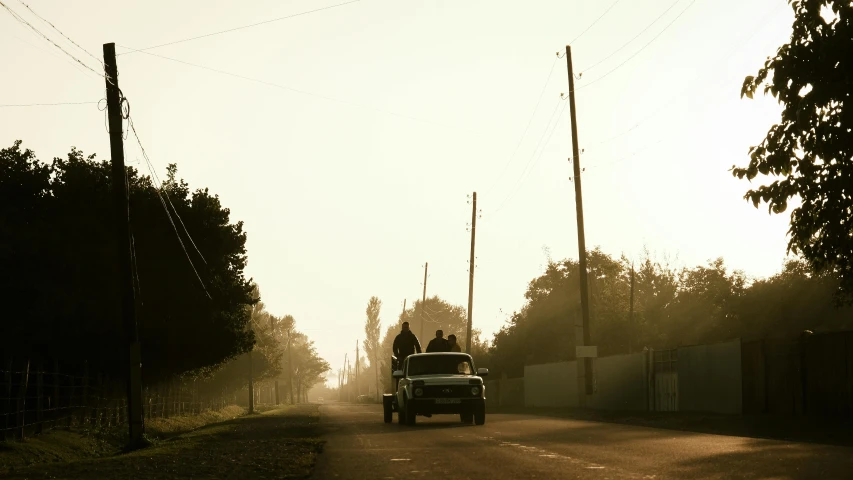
23, 21
594, 22
60, 32
286, 17
169, 200
524, 177
307, 93
759, 26
529, 122
632, 39
538, 101
45, 104
159, 189
617, 67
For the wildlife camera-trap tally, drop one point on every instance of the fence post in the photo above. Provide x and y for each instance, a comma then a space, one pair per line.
8, 412
39, 398
85, 398
22, 400
70, 417
57, 400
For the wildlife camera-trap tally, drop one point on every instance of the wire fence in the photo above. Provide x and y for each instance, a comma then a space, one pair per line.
34, 399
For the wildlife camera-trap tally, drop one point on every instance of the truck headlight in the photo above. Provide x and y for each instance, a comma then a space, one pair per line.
419, 392
475, 390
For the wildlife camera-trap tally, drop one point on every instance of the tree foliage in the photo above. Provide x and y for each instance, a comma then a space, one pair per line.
810, 151
372, 330
672, 307
61, 286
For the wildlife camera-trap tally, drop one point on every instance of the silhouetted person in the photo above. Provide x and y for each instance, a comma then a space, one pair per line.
405, 344
451, 341
438, 344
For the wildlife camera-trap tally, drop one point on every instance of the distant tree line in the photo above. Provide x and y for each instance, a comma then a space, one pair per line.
60, 284
672, 307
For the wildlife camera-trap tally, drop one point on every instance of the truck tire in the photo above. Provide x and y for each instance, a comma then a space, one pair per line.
401, 415
466, 418
480, 415
411, 416
386, 409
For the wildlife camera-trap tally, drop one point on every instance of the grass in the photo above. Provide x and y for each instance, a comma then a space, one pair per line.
278, 443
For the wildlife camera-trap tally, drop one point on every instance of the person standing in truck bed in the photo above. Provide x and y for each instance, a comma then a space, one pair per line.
405, 344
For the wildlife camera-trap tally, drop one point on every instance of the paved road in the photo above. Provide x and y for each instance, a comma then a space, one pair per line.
510, 447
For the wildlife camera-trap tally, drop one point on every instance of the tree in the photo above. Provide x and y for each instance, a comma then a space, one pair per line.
811, 149
371, 332
59, 259
436, 314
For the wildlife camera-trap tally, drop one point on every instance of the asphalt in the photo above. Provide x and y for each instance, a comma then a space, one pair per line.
359, 445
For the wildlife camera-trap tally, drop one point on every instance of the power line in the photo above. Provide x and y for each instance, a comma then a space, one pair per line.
529, 122
631, 40
304, 92
169, 199
45, 104
163, 202
23, 21
241, 28
594, 22
641, 49
522, 177
60, 32
759, 26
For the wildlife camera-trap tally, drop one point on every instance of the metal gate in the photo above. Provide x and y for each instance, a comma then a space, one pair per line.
664, 381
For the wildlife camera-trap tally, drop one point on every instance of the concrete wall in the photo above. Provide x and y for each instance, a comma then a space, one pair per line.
709, 378
550, 385
508, 392
620, 383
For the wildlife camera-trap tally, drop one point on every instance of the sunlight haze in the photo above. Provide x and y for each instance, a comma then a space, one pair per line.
355, 167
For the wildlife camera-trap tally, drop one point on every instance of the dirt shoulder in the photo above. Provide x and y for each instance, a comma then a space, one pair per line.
279, 443
792, 428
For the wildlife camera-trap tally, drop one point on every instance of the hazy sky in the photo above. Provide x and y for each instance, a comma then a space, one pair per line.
354, 170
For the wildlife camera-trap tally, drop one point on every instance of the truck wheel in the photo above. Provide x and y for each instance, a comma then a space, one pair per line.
466, 418
401, 415
411, 416
386, 408
480, 415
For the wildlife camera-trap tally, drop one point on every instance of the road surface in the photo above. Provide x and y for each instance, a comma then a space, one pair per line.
510, 447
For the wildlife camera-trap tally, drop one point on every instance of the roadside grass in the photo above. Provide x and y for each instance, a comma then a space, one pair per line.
62, 446
278, 443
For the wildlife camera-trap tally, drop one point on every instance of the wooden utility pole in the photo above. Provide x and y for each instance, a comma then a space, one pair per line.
290, 362
423, 302
357, 386
272, 327
632, 329
251, 368
584, 290
121, 208
471, 274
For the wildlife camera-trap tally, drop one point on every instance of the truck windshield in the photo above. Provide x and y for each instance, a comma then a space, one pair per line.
440, 365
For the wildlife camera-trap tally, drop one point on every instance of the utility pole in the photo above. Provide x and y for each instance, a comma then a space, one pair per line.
357, 386
584, 290
471, 274
423, 302
251, 372
290, 362
631, 314
344, 380
272, 326
135, 416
